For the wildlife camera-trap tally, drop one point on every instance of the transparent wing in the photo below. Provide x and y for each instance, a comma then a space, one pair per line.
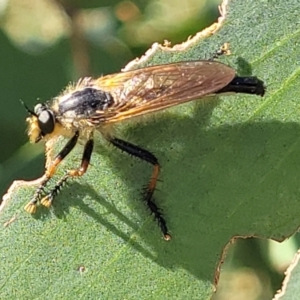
155, 88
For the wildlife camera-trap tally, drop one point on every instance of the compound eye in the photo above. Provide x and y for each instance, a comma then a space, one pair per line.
46, 122
38, 108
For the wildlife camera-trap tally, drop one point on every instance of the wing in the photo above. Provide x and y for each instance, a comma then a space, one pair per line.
155, 88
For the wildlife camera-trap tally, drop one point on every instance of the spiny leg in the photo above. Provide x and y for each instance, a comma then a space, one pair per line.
31, 206
224, 50
86, 157
150, 188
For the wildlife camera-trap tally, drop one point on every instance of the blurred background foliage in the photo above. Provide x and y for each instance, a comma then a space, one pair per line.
45, 44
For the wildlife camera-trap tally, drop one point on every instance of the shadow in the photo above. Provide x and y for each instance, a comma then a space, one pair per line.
62, 206
216, 183
244, 67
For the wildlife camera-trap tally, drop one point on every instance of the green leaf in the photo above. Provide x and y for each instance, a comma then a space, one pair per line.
230, 167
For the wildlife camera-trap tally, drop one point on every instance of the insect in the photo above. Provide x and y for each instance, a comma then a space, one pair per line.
98, 104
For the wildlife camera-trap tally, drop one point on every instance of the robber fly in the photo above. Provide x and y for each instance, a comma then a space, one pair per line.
99, 104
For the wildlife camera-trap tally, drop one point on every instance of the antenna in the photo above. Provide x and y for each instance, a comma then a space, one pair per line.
32, 113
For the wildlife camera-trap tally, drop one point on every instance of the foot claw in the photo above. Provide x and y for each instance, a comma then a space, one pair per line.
167, 237
46, 201
30, 207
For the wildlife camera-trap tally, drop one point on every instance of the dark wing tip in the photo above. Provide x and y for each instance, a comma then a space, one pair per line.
246, 85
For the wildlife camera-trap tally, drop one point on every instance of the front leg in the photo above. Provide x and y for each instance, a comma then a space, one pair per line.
31, 206
86, 157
